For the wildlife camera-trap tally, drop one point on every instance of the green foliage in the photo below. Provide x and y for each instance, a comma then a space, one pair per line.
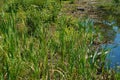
36, 42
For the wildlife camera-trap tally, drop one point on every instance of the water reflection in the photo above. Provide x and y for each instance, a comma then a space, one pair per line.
113, 57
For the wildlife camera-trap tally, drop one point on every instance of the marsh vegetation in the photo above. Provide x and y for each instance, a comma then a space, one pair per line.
40, 41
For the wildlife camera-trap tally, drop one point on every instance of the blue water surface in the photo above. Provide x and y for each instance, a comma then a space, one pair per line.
113, 57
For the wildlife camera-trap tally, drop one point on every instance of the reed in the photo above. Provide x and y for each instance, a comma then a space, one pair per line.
38, 43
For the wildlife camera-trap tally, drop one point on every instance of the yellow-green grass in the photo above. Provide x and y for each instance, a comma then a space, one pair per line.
36, 42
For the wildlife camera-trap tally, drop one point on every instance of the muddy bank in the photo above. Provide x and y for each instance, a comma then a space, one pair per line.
81, 9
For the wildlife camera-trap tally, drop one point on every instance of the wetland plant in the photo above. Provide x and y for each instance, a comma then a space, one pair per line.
38, 43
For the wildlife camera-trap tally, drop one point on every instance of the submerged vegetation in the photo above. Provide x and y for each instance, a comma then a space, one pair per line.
40, 42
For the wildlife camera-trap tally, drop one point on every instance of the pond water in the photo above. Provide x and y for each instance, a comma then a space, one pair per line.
113, 57
110, 29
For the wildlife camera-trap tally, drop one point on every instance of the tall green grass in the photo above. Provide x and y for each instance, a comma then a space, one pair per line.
38, 43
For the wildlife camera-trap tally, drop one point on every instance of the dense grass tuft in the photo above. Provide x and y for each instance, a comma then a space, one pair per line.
36, 42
